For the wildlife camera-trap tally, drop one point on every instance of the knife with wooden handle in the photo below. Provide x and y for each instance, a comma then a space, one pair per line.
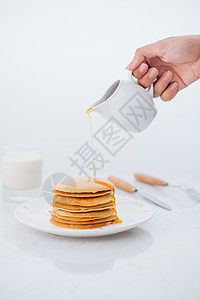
149, 179
121, 184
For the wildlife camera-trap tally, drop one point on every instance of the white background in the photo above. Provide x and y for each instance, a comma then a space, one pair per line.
58, 57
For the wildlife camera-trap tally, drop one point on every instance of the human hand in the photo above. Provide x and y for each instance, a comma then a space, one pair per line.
170, 64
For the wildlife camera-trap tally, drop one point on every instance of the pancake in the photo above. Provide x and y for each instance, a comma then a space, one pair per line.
91, 214
85, 195
81, 226
76, 208
92, 201
78, 219
83, 204
55, 218
82, 185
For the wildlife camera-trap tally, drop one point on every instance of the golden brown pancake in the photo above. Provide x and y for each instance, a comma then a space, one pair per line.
76, 208
77, 219
82, 195
91, 214
83, 226
82, 185
92, 201
82, 222
85, 220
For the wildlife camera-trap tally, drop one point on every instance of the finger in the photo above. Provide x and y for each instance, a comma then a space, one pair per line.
161, 83
148, 78
140, 71
142, 53
170, 92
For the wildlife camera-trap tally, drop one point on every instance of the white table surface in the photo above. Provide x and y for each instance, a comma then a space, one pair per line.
158, 260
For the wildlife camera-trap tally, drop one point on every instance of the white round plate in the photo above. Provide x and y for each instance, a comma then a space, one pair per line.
36, 214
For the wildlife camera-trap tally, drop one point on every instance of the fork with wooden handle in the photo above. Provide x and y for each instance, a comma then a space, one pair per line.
189, 190
149, 179
121, 184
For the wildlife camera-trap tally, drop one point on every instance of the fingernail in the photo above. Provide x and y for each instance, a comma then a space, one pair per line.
153, 73
174, 86
143, 68
167, 75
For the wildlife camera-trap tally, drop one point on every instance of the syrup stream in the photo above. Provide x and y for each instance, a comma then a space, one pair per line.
88, 113
94, 168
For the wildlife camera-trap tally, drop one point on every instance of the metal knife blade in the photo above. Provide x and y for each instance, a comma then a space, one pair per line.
155, 200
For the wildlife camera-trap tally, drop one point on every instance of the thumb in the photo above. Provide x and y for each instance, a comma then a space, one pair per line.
141, 54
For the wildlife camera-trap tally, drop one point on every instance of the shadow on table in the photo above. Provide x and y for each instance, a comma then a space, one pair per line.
84, 255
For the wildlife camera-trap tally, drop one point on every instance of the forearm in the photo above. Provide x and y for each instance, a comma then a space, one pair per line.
198, 69
197, 38
196, 49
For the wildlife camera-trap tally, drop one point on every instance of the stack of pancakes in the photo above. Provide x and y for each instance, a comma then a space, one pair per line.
85, 204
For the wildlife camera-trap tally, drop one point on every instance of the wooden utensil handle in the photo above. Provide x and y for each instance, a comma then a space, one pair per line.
122, 184
149, 179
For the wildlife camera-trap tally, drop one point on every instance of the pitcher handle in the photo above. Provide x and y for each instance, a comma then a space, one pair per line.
128, 76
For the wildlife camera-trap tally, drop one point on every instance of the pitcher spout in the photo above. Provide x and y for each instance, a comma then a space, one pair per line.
102, 106
102, 109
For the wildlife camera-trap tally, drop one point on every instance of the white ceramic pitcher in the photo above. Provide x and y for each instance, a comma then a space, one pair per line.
127, 104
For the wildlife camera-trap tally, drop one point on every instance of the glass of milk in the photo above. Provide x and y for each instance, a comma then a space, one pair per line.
21, 172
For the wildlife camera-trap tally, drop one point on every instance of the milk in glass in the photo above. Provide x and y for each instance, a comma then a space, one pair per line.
21, 172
